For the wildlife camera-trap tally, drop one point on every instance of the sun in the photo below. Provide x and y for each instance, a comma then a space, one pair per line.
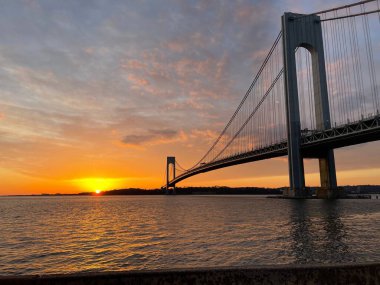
91, 184
97, 191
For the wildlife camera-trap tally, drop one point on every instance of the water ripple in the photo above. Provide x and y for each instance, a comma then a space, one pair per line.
71, 234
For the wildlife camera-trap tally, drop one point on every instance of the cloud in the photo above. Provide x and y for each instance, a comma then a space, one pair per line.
133, 64
177, 45
137, 81
153, 137
194, 103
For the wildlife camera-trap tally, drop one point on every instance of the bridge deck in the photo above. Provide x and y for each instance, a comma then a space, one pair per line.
312, 144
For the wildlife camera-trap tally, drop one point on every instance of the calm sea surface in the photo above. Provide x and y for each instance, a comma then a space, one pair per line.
72, 234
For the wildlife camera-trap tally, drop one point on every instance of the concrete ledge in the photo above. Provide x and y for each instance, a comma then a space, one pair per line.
279, 274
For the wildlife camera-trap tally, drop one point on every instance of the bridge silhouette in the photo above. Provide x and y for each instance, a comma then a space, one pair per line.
316, 91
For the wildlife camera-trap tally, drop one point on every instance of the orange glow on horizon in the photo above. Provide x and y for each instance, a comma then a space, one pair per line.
61, 176
98, 185
21, 184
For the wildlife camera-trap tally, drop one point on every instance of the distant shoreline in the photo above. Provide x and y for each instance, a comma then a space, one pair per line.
216, 190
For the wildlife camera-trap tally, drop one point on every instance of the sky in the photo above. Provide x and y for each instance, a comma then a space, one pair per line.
95, 94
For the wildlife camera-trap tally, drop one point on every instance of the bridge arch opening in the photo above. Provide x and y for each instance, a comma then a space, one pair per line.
171, 171
305, 86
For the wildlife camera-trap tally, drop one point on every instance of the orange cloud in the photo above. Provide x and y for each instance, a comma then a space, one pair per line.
176, 46
137, 81
154, 137
133, 64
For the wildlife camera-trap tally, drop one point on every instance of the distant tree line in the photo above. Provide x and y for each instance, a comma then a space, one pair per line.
222, 190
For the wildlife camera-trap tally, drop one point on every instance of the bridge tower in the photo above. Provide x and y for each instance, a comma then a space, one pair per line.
170, 188
306, 31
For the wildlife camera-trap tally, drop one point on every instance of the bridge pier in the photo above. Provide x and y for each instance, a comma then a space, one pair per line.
170, 162
170, 190
306, 31
329, 187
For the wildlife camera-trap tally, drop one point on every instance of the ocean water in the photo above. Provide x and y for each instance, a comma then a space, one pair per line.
110, 233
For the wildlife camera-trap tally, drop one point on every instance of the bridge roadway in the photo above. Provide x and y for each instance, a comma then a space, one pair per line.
313, 143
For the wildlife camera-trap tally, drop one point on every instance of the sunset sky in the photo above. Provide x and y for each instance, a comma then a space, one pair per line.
95, 94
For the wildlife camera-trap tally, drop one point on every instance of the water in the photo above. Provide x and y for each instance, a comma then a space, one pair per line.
71, 234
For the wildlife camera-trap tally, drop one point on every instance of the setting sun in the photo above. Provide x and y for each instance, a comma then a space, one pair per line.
97, 184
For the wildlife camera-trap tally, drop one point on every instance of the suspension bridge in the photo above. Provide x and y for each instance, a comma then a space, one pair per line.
317, 90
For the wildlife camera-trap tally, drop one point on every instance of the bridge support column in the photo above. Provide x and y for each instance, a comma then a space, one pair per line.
327, 172
305, 31
170, 162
